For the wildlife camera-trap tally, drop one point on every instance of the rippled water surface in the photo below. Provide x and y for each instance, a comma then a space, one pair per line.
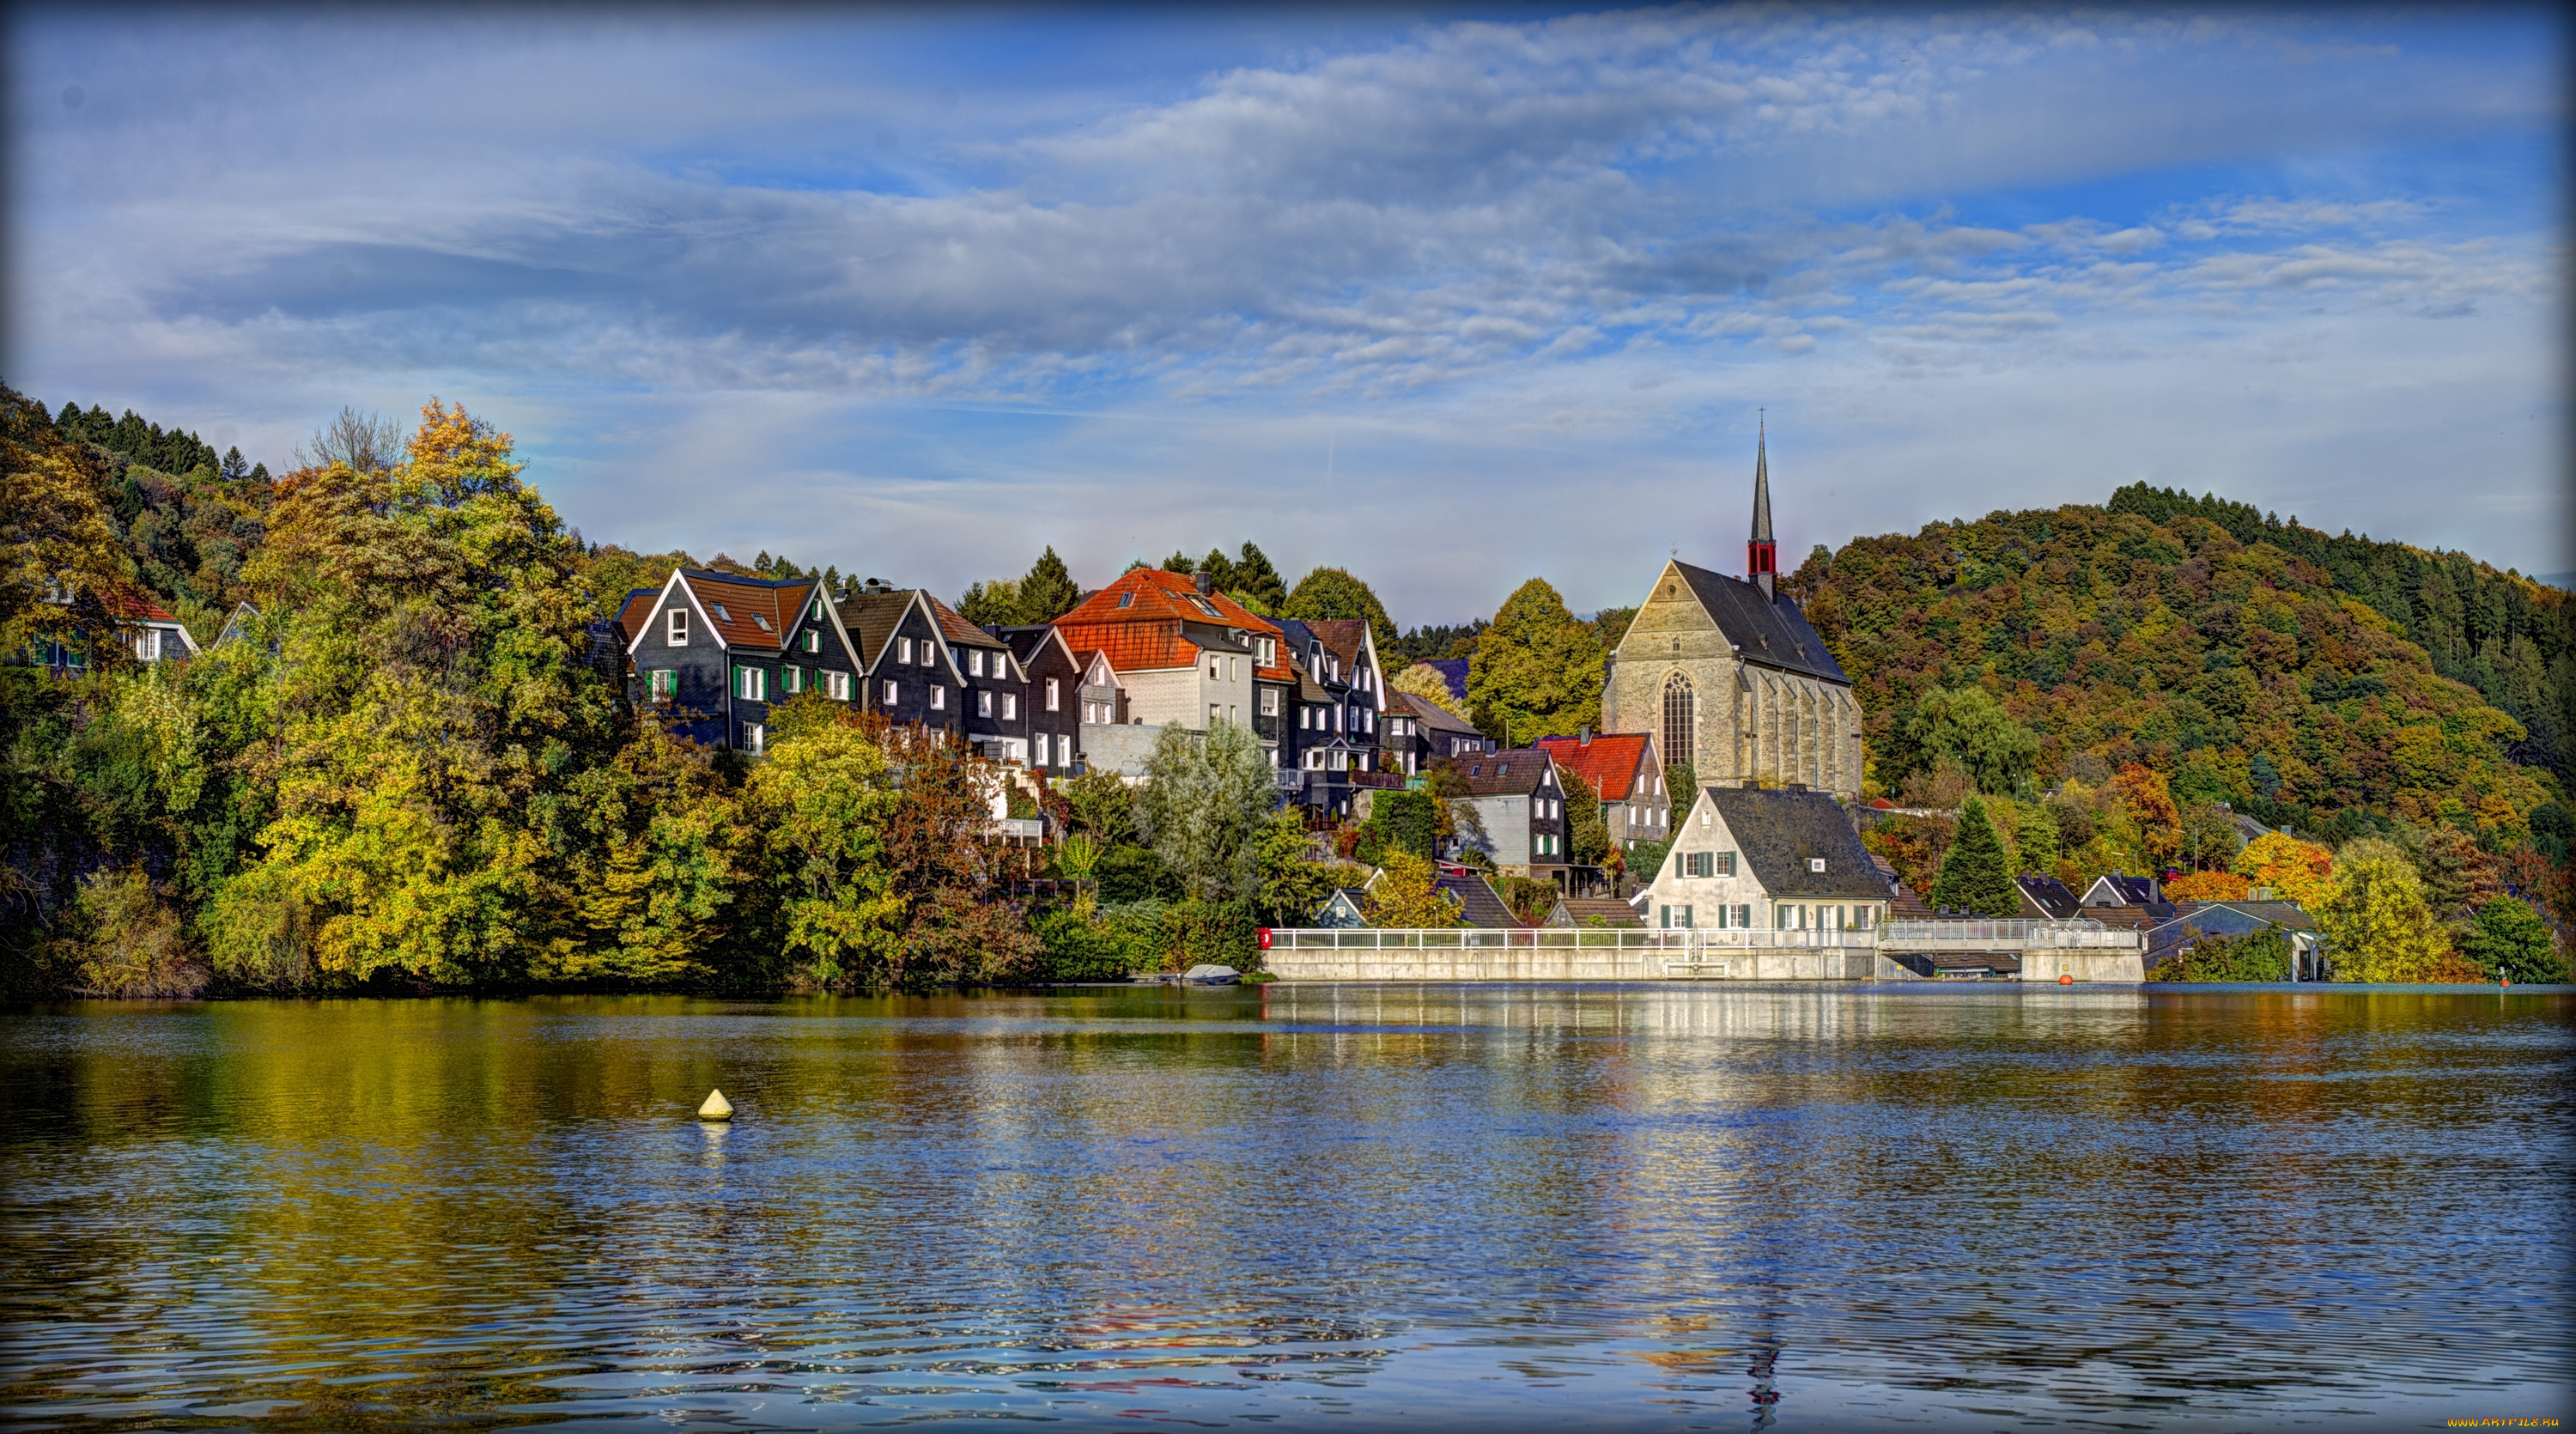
1308, 1206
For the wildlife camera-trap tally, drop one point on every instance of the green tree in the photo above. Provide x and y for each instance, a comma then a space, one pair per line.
1333, 593
2509, 939
1537, 670
1048, 591
1974, 875
1405, 821
991, 604
1293, 885
1967, 725
822, 799
2376, 924
1257, 580
1202, 803
1587, 835
1426, 683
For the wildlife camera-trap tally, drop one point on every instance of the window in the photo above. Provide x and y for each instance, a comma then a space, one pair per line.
1213, 673
1305, 716
1010, 706
1233, 669
975, 663
929, 653
663, 683
1815, 864
813, 640
1126, 599
903, 650
838, 684
721, 614
1681, 718
1676, 916
791, 679
1232, 713
677, 633
1055, 694
1270, 703
1862, 916
1699, 863
938, 698
751, 684
1212, 714
754, 736
1744, 916
1269, 652
983, 704
889, 694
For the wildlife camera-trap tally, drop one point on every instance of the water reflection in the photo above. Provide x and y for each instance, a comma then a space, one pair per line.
1658, 1207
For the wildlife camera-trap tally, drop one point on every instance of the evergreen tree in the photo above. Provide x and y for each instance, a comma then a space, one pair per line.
1219, 568
1974, 874
1179, 562
234, 469
1255, 578
991, 604
1537, 671
1329, 593
1049, 591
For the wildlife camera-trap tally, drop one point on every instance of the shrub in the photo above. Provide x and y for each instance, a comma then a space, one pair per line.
132, 943
2253, 957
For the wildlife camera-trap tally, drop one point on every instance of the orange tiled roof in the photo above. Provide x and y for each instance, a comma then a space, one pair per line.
134, 607
1147, 633
954, 625
1608, 764
750, 614
637, 613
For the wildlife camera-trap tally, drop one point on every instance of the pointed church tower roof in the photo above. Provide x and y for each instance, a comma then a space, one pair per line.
1762, 485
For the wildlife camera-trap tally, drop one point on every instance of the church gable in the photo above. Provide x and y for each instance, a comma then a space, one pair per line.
1671, 622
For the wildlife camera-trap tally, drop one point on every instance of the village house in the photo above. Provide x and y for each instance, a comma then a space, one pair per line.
1623, 771
1432, 731
1516, 795
146, 628
1728, 676
1784, 860
2045, 898
2120, 889
1053, 675
1161, 649
713, 650
2192, 920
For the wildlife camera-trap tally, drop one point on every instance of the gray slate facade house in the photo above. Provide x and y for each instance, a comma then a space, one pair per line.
1434, 732
1517, 795
1342, 910
1775, 860
1054, 696
2045, 898
714, 650
2119, 889
912, 674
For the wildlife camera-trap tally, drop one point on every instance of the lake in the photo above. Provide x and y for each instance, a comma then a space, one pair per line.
1651, 1207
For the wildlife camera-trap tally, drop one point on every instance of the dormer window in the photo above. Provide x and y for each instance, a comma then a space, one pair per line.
677, 632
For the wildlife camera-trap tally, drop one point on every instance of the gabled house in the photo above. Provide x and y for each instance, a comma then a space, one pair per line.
1434, 731
1342, 910
150, 630
909, 668
1350, 652
2194, 919
1479, 905
1592, 911
1182, 653
1054, 695
144, 626
1516, 795
2045, 898
1784, 860
2122, 890
1624, 771
715, 650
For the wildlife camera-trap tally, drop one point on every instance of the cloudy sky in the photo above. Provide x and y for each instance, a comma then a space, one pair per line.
1450, 299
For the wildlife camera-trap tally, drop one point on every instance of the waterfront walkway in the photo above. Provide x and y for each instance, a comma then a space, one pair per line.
1896, 951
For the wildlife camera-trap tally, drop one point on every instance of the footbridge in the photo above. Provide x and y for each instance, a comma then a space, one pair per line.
2082, 951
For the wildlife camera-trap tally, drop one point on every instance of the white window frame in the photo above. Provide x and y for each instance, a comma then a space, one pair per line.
1055, 694
755, 738
791, 679
983, 704
813, 640
890, 692
1270, 702
1010, 707
838, 685
938, 697
675, 628
975, 662
662, 683
903, 650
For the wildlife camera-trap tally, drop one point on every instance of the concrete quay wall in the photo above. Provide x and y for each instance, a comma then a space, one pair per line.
1713, 963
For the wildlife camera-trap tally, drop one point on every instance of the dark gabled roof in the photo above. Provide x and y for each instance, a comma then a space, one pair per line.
2132, 890
1766, 631
2049, 895
1581, 910
1779, 832
1513, 772
1478, 903
1027, 642
2288, 915
872, 619
1436, 717
1343, 637
956, 628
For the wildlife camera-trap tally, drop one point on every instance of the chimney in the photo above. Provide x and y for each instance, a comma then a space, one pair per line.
1583, 736
1203, 582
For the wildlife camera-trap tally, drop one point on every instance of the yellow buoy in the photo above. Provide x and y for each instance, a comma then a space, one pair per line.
716, 1108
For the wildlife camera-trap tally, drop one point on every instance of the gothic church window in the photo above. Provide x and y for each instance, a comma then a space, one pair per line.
1680, 719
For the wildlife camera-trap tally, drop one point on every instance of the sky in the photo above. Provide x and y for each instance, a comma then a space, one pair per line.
1448, 298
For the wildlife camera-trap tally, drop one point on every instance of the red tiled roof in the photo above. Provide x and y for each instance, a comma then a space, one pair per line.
1608, 763
637, 613
134, 607
739, 610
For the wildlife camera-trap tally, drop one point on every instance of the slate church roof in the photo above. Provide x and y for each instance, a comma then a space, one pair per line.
1766, 631
1781, 832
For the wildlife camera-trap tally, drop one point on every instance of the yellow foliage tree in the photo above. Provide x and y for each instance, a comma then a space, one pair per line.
2295, 870
1424, 681
2150, 804
1406, 895
2207, 886
2375, 921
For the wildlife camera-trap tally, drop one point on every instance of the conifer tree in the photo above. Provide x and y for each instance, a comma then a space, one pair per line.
1253, 575
1974, 875
1049, 591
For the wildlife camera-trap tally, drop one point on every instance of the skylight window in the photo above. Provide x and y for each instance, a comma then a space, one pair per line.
721, 614
761, 622
1127, 599
1203, 605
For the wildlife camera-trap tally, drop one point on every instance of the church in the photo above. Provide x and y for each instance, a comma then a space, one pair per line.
1727, 675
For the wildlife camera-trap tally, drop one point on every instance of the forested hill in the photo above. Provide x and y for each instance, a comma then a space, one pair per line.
2328, 682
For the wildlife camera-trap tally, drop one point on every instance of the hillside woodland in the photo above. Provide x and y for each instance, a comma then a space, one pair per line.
405, 773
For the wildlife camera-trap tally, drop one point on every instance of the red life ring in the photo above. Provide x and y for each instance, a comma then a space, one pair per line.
2066, 980
1263, 936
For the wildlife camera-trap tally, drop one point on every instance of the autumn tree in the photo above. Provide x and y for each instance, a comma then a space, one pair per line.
822, 799
2374, 919
2294, 870
1407, 896
1425, 682
1537, 670
2149, 806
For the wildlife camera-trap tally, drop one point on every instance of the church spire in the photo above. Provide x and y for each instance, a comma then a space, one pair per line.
1761, 557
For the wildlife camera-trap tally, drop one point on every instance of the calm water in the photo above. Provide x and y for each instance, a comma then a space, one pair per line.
1316, 1206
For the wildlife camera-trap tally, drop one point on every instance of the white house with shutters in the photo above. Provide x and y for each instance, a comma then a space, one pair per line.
1784, 860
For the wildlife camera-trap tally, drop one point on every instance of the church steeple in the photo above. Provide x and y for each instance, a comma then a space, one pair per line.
1761, 556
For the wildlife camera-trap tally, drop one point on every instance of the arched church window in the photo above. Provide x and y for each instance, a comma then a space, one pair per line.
1681, 726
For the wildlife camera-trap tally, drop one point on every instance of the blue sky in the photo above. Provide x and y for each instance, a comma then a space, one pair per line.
1451, 298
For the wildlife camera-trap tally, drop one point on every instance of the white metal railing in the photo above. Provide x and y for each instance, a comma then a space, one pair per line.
1558, 938
1984, 931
